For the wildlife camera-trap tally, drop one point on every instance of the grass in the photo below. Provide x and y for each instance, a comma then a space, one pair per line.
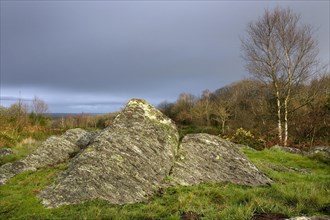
20, 151
293, 194
23, 143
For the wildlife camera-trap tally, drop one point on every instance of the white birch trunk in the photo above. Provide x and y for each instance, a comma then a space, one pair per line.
279, 115
279, 121
286, 129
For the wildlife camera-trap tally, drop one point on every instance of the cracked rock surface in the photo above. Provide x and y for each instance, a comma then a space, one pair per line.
53, 151
126, 163
208, 158
129, 161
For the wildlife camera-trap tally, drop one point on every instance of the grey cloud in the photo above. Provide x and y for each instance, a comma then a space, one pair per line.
152, 50
13, 98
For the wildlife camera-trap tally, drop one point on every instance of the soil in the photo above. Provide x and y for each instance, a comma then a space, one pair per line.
270, 216
191, 216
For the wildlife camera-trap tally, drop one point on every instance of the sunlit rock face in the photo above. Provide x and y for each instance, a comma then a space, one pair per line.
126, 163
208, 158
53, 151
133, 158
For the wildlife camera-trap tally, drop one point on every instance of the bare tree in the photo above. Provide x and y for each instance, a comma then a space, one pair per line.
183, 108
221, 113
206, 99
18, 115
39, 106
280, 51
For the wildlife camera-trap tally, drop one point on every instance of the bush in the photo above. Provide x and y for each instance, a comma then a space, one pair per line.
192, 129
244, 137
6, 140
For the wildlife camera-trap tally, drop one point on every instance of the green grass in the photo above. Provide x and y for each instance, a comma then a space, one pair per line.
292, 193
20, 151
22, 144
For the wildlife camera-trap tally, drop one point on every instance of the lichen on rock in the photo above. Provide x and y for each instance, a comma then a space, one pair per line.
126, 163
209, 158
132, 159
53, 151
4, 151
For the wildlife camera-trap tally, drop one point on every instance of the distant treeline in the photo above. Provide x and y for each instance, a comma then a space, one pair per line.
246, 112
20, 121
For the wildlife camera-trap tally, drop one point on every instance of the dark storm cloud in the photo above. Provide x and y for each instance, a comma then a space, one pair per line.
111, 51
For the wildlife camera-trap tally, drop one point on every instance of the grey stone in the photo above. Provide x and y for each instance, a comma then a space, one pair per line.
288, 169
289, 149
79, 137
320, 149
53, 151
323, 150
310, 218
208, 158
4, 151
126, 163
9, 170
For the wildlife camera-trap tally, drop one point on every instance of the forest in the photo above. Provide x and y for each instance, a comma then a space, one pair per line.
245, 112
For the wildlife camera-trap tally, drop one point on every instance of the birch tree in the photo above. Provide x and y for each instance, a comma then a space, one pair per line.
280, 51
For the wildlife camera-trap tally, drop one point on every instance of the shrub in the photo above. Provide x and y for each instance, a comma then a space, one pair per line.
244, 137
6, 140
192, 129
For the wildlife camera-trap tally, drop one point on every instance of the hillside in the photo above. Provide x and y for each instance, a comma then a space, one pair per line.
206, 177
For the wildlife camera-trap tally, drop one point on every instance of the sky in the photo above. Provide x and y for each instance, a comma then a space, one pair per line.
93, 56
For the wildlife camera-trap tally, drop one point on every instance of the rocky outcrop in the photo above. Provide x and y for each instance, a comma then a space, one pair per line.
131, 159
323, 150
126, 163
320, 149
287, 169
208, 158
53, 151
289, 149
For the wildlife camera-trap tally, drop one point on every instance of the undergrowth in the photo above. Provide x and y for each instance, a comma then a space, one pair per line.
292, 193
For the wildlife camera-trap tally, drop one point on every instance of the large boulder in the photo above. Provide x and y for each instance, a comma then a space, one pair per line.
209, 158
126, 163
53, 151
